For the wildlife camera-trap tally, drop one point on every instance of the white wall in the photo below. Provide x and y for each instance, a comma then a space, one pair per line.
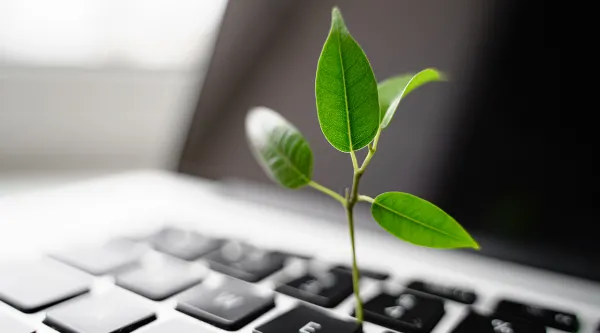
84, 119
90, 86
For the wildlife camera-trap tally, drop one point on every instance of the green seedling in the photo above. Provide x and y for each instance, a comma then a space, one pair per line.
353, 111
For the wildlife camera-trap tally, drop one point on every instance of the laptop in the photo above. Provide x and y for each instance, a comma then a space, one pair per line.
214, 247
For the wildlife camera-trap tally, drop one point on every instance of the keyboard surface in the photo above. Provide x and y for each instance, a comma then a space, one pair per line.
201, 277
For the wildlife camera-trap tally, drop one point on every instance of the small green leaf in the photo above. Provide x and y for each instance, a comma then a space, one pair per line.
418, 221
392, 90
279, 147
346, 91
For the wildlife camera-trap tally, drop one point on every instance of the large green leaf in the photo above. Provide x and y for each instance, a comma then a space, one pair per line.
393, 90
346, 90
279, 148
418, 221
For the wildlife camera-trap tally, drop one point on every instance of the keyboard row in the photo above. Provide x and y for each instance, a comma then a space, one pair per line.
231, 301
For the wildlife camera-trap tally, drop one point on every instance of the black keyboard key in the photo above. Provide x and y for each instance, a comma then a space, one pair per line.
114, 311
225, 302
476, 323
160, 276
31, 286
407, 311
178, 325
184, 244
245, 262
552, 318
11, 325
325, 288
114, 256
304, 319
451, 293
376, 275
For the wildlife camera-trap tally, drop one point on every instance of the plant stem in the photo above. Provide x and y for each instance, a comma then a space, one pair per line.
370, 154
365, 198
375, 140
327, 191
354, 160
352, 198
355, 271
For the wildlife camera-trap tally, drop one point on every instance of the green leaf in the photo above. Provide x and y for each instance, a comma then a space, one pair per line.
392, 90
346, 91
418, 221
279, 147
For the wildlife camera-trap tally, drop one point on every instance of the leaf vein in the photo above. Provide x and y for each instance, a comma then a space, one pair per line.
288, 162
339, 49
417, 221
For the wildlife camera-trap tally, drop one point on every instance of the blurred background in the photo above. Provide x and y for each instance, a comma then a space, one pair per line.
93, 87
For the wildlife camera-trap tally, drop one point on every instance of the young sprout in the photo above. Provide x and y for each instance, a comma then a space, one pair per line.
353, 111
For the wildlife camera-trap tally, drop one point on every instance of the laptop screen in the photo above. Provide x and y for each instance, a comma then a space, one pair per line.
521, 171
492, 146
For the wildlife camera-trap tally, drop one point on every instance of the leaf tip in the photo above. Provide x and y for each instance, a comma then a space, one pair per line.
251, 115
335, 12
441, 76
472, 243
261, 120
469, 241
337, 20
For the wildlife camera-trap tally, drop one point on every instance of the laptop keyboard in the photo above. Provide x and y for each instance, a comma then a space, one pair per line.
179, 265
245, 262
451, 293
35, 285
326, 288
226, 302
406, 311
475, 322
159, 276
548, 317
8, 324
307, 320
115, 311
